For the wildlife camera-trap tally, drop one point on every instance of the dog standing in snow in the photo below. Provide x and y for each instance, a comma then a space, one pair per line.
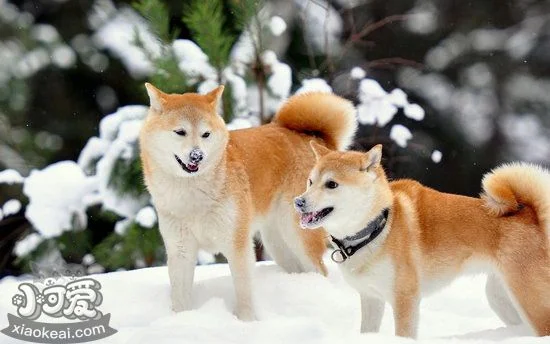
213, 189
398, 241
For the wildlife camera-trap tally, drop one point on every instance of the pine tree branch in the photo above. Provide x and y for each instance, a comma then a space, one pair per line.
206, 21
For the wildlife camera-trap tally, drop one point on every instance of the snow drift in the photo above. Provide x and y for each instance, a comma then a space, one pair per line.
293, 308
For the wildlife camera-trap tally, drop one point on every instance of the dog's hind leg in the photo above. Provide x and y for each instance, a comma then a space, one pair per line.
500, 301
372, 311
279, 251
305, 246
292, 248
528, 280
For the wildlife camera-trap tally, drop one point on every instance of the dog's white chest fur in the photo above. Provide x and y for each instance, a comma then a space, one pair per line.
376, 280
198, 209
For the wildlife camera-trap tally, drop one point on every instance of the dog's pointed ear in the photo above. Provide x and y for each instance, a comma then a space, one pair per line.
156, 97
318, 150
215, 95
372, 158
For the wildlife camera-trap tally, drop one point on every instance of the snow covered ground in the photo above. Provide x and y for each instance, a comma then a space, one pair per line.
293, 308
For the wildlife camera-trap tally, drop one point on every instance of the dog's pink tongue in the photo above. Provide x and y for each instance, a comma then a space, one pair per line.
307, 217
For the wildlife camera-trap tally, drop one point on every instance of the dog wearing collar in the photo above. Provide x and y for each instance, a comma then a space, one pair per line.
213, 189
398, 241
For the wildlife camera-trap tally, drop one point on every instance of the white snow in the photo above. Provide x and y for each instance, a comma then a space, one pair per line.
314, 85
292, 308
384, 111
436, 156
531, 141
524, 40
207, 85
88, 259
146, 217
95, 269
400, 134
369, 89
118, 35
488, 39
238, 92
365, 114
63, 56
422, 19
57, 196
239, 123
45, 33
414, 111
358, 73
11, 207
192, 60
122, 226
243, 52
204, 258
118, 133
280, 79
277, 25
375, 104
10, 176
398, 97
94, 149
379, 107
110, 124
27, 244
323, 25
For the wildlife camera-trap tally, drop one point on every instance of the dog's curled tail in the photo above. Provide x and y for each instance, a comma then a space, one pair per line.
321, 114
508, 187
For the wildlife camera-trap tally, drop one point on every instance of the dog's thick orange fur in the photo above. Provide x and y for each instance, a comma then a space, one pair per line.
246, 182
431, 237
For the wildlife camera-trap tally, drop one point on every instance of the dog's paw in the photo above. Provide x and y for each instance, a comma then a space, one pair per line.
178, 307
246, 315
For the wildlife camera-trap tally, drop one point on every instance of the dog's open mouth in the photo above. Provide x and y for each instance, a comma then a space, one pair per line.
189, 168
313, 218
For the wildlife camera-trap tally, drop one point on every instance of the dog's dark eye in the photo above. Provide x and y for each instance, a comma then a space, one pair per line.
309, 182
331, 184
180, 132
206, 134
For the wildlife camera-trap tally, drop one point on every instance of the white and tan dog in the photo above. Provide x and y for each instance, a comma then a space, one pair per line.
399, 241
213, 189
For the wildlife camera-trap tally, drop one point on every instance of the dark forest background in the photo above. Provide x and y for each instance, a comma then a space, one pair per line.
479, 69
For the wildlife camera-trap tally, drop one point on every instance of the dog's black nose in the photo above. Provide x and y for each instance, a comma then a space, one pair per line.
300, 202
196, 155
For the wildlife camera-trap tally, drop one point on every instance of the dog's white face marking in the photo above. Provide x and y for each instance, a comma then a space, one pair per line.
188, 149
338, 206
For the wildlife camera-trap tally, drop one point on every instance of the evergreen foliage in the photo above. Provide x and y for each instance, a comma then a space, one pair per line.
158, 17
127, 177
137, 247
167, 75
206, 20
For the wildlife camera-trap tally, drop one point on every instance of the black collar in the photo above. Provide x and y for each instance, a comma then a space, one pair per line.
370, 232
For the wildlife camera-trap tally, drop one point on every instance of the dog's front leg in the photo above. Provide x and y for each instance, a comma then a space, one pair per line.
372, 311
181, 251
405, 312
241, 261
